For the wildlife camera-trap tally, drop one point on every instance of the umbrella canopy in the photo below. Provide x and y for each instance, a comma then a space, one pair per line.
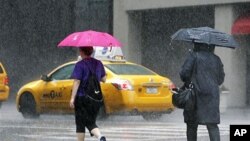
205, 35
89, 38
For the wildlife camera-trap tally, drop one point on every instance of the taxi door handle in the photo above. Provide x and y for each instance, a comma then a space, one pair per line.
62, 88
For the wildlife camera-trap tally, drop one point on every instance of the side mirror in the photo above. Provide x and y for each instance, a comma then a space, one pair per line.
45, 78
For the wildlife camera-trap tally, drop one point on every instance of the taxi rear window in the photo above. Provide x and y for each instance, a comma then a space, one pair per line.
128, 69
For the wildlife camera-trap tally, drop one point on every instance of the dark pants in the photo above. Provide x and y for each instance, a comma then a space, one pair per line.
85, 114
213, 130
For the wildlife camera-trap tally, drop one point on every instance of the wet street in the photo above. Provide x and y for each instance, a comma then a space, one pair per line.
13, 127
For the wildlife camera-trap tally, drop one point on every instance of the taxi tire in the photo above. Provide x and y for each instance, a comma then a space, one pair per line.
28, 106
151, 116
0, 104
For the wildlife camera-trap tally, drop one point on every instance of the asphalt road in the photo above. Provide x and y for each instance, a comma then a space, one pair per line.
13, 127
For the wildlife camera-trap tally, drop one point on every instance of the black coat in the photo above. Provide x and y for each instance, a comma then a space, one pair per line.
208, 74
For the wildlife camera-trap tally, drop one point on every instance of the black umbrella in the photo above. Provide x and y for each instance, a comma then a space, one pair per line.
205, 35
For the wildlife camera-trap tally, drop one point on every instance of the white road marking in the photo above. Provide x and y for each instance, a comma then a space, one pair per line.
123, 132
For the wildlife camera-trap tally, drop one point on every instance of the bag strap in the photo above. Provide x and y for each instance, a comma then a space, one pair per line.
195, 65
194, 71
90, 72
89, 68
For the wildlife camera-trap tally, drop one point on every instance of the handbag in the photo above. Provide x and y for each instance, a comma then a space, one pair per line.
184, 98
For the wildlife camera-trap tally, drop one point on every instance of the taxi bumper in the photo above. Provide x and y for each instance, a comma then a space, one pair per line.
131, 102
4, 93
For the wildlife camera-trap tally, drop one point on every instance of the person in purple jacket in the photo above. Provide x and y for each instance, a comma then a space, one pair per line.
86, 113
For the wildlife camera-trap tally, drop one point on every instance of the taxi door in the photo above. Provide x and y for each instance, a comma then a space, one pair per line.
51, 95
57, 92
2, 75
4, 89
111, 96
1, 80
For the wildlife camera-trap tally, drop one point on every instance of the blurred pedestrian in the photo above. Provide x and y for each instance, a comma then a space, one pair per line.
85, 110
205, 70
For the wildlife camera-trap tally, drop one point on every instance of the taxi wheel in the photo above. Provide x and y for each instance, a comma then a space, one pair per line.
0, 104
28, 106
151, 116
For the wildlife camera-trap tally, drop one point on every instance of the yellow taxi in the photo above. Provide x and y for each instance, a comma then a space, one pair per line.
129, 88
4, 88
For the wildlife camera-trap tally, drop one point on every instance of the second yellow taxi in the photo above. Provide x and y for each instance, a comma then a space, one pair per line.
4, 88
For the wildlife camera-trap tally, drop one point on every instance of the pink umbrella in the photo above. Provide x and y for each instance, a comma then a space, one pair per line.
89, 38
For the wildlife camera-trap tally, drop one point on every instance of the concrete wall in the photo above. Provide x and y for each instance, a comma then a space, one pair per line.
94, 14
30, 32
146, 36
158, 26
121, 8
121, 25
135, 37
153, 37
234, 60
246, 47
156, 4
244, 50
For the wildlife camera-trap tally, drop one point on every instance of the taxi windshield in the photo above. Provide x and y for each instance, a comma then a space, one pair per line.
128, 69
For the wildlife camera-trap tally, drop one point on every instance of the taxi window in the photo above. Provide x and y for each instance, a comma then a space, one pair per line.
1, 70
63, 73
128, 69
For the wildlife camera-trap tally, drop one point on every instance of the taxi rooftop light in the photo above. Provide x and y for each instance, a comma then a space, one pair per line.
116, 58
113, 54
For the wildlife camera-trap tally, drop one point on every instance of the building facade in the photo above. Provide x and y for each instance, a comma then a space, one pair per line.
31, 30
145, 26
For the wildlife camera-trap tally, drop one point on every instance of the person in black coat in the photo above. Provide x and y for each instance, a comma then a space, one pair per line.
205, 70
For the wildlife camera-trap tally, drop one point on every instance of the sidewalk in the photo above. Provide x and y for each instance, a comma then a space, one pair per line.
236, 116
229, 117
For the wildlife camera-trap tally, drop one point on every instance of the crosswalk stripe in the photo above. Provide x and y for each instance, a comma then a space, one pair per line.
126, 131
